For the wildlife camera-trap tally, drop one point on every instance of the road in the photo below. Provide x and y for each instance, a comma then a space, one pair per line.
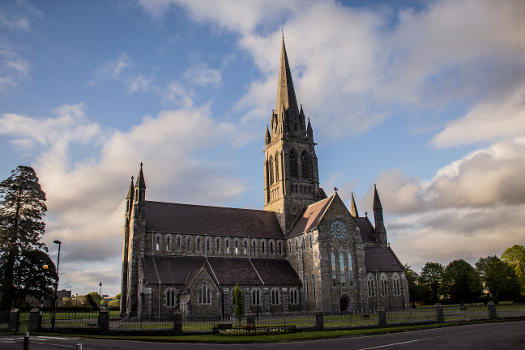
485, 336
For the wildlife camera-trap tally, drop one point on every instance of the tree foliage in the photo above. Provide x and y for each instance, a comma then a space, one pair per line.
499, 278
238, 303
430, 282
461, 282
515, 256
412, 280
22, 208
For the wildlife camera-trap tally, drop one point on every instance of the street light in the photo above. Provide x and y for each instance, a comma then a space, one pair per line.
56, 241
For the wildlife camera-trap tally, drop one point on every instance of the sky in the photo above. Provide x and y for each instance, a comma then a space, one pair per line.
423, 98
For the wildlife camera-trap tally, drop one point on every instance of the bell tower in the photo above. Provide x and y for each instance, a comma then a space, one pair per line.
291, 176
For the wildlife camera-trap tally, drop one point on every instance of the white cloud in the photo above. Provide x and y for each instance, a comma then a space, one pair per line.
486, 121
202, 75
85, 197
17, 23
13, 67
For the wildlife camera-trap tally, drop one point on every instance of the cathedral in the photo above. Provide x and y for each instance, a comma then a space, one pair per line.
304, 252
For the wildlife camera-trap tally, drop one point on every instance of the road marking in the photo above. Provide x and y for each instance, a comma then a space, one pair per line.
46, 337
391, 344
69, 346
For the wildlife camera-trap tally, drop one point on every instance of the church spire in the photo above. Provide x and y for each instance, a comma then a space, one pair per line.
140, 178
130, 191
268, 138
378, 220
377, 201
353, 207
285, 90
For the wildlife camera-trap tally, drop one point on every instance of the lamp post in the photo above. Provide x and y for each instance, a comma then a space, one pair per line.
53, 316
100, 293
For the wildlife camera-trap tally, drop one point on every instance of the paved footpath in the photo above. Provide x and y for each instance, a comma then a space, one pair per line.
485, 336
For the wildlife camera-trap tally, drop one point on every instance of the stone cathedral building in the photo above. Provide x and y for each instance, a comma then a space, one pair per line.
304, 252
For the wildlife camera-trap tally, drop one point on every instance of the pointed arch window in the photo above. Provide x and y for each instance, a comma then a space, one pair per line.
256, 296
276, 166
275, 296
204, 294
270, 169
198, 247
305, 165
227, 246
263, 248
294, 167
280, 245
245, 247
168, 243
271, 248
350, 270
384, 285
334, 273
236, 246
342, 269
171, 297
179, 243
217, 245
254, 248
157, 243
397, 284
188, 244
371, 285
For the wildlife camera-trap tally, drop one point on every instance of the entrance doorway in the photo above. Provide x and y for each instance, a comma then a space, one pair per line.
344, 303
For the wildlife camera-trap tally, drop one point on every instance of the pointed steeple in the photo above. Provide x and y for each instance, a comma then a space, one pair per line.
140, 178
377, 201
309, 131
268, 138
130, 191
285, 90
353, 207
302, 117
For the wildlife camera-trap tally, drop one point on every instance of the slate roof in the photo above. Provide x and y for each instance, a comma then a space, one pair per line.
381, 259
267, 269
368, 233
185, 269
206, 220
310, 217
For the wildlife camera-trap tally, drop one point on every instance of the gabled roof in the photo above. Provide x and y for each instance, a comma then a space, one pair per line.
368, 233
207, 220
381, 259
311, 217
184, 270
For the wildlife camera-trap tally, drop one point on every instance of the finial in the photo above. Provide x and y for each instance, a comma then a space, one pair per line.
282, 33
141, 165
132, 178
335, 188
366, 213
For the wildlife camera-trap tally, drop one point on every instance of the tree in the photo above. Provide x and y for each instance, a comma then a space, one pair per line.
515, 256
430, 281
22, 208
115, 303
499, 278
413, 287
32, 279
239, 303
461, 282
93, 300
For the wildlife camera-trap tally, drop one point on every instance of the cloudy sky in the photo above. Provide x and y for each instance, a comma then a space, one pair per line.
426, 99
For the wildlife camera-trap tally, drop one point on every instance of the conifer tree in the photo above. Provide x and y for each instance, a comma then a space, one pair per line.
238, 304
22, 209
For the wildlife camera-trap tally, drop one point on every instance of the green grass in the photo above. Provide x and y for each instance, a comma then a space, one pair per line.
276, 337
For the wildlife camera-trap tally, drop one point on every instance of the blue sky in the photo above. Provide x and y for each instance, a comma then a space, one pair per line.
426, 99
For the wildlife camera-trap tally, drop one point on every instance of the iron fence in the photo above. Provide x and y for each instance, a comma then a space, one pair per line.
411, 316
510, 310
469, 312
350, 320
69, 319
136, 323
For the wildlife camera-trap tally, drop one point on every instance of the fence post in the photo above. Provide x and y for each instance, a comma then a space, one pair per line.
319, 321
14, 320
492, 310
177, 322
439, 313
35, 320
103, 319
250, 321
381, 313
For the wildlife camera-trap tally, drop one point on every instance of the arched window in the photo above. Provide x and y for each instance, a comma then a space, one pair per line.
270, 169
256, 296
217, 245
254, 248
263, 247
227, 246
198, 247
271, 248
236, 246
305, 165
294, 167
188, 244
204, 294
245, 247
168, 243
294, 296
157, 243
179, 245
350, 270
276, 166
280, 245
384, 285
342, 269
171, 297
397, 284
208, 245
371, 285
334, 273
275, 296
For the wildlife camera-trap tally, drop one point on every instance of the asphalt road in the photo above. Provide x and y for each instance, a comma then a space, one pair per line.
486, 336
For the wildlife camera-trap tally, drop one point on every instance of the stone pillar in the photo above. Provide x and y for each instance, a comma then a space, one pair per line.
103, 320
14, 320
381, 313
439, 313
177, 322
492, 310
319, 321
35, 320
